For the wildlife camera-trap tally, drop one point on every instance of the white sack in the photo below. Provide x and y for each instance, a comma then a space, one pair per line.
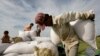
85, 31
41, 39
26, 35
4, 46
33, 33
11, 54
26, 55
16, 54
22, 47
54, 37
30, 48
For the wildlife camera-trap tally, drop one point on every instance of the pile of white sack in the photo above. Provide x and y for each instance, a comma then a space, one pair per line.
31, 48
36, 47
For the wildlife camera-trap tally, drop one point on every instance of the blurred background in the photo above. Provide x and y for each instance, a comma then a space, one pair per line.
14, 14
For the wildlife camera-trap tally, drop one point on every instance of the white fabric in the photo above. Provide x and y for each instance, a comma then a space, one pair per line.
41, 39
4, 46
26, 34
11, 54
86, 31
54, 37
27, 55
33, 33
22, 47
28, 48
16, 54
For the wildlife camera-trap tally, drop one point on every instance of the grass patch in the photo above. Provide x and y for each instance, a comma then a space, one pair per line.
83, 46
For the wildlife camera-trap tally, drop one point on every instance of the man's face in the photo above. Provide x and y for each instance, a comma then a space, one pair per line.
39, 19
43, 20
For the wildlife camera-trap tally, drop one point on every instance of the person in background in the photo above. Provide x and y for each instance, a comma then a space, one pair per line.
6, 37
28, 27
38, 30
61, 26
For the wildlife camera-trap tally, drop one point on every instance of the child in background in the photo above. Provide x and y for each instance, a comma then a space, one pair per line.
28, 27
6, 37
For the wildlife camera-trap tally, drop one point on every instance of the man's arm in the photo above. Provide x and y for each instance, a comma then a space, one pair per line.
72, 16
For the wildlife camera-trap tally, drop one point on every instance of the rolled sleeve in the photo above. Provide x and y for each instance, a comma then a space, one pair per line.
72, 16
85, 15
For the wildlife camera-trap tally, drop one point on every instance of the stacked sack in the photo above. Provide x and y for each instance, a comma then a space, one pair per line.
27, 35
36, 46
32, 48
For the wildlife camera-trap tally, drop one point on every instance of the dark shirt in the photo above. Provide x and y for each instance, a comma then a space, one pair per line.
6, 39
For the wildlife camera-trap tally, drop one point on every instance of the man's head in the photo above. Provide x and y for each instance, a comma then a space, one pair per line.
43, 20
31, 24
28, 27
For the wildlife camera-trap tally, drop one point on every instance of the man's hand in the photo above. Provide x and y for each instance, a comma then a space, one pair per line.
86, 15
